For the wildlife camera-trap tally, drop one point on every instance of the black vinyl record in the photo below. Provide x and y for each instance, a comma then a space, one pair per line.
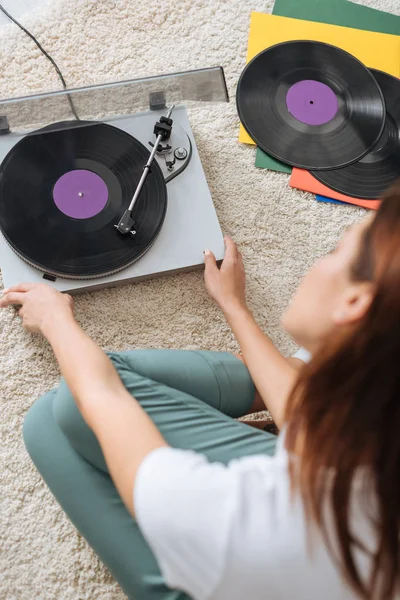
311, 105
377, 171
62, 190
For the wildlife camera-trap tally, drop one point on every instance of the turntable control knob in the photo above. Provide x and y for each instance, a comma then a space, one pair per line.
180, 153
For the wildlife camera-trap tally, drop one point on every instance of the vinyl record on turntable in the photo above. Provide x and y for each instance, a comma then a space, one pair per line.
311, 105
62, 191
375, 173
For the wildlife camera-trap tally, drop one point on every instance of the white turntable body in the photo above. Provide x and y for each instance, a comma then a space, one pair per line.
191, 224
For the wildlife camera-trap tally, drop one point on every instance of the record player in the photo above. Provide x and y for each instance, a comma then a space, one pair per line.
104, 185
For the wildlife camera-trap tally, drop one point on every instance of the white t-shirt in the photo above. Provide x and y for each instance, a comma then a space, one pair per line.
233, 533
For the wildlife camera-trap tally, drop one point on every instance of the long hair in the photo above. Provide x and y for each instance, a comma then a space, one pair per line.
344, 412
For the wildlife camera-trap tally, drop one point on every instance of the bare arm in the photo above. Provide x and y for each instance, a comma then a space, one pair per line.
296, 363
272, 374
125, 432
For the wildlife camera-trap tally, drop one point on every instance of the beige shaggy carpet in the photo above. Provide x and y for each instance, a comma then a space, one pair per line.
280, 232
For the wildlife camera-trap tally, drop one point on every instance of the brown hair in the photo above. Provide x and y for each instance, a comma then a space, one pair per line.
345, 414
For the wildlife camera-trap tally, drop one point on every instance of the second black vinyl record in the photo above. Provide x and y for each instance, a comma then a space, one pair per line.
311, 105
375, 173
63, 189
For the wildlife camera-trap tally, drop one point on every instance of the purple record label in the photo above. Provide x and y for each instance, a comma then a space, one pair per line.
312, 102
80, 194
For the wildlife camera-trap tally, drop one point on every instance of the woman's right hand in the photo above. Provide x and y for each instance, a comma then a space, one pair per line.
226, 285
41, 306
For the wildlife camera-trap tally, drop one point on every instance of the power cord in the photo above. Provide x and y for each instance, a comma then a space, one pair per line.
46, 54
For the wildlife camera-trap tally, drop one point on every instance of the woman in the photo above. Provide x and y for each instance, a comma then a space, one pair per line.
137, 447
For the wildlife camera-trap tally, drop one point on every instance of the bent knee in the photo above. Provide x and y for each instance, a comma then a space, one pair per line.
66, 413
37, 424
30, 426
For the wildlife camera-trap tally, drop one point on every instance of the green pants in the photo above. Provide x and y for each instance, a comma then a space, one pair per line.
191, 397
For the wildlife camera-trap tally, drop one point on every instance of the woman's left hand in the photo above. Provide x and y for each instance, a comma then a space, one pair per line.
41, 305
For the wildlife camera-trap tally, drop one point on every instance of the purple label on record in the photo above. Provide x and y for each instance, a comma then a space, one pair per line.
80, 194
312, 102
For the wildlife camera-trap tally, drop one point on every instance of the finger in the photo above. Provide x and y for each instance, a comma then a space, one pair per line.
231, 250
21, 287
12, 298
209, 260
